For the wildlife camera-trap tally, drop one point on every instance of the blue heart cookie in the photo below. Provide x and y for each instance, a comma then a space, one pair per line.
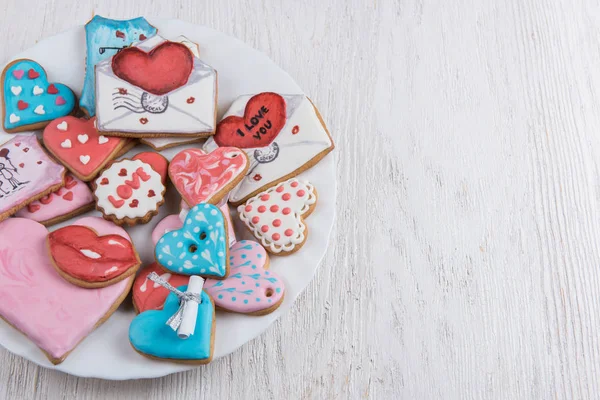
149, 334
104, 38
29, 99
200, 247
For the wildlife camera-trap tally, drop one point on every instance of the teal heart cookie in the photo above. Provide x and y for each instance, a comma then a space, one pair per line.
200, 247
150, 336
29, 100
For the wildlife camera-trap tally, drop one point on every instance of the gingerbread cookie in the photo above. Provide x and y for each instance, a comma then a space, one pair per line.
85, 258
199, 247
104, 38
26, 174
30, 102
207, 178
67, 202
282, 135
77, 144
50, 311
276, 216
129, 192
156, 88
188, 339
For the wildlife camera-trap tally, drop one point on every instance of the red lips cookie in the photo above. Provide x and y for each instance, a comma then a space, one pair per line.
163, 69
89, 260
79, 146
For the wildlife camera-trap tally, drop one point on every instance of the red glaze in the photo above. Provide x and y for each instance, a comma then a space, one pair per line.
82, 254
158, 163
149, 296
163, 69
264, 111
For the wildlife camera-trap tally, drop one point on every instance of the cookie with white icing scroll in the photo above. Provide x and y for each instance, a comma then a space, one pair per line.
276, 216
129, 192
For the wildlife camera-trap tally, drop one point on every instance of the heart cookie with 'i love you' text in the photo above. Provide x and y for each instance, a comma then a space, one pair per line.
79, 146
51, 312
276, 216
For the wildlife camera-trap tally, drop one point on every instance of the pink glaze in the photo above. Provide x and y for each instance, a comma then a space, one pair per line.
53, 313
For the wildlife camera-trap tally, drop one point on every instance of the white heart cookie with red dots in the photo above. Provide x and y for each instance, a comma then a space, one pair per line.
276, 216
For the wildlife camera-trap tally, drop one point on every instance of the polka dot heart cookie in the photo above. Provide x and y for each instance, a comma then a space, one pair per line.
276, 216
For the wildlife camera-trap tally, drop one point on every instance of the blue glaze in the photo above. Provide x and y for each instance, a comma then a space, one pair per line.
174, 249
48, 101
149, 334
100, 33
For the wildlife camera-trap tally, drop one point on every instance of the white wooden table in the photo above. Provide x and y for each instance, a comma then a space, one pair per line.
466, 258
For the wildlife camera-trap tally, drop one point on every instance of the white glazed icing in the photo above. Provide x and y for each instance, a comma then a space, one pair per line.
145, 203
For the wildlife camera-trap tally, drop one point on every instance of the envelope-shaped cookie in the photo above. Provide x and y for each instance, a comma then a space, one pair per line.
156, 88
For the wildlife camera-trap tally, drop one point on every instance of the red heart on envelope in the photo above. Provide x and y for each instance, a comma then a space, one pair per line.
163, 69
81, 253
264, 117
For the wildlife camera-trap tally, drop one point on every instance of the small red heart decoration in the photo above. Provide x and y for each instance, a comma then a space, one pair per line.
39, 162
104, 181
134, 203
21, 105
26, 149
33, 208
123, 172
163, 69
18, 144
151, 193
68, 196
142, 37
143, 121
190, 100
32, 74
22, 165
264, 117
52, 89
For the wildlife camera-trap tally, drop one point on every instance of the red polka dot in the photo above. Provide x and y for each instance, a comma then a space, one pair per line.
289, 232
255, 220
279, 189
248, 208
262, 209
294, 184
286, 196
300, 193
274, 208
276, 236
286, 211
265, 197
264, 228
277, 222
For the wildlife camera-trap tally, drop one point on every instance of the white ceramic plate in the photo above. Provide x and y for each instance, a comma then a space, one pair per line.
106, 353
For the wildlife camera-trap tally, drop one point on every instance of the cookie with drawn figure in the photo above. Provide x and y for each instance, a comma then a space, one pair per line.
76, 143
87, 258
27, 174
207, 178
199, 247
283, 135
129, 192
105, 37
276, 217
53, 313
249, 289
30, 100
175, 333
73, 199
156, 88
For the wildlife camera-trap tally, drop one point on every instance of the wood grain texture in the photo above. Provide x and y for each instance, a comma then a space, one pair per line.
465, 259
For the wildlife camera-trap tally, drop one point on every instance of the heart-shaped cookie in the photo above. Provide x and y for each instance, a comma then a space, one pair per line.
207, 178
50, 311
264, 116
150, 336
79, 146
200, 247
30, 102
276, 216
87, 259
160, 71
249, 288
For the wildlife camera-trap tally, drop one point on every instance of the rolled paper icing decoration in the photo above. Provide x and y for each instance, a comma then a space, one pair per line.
190, 312
199, 247
149, 334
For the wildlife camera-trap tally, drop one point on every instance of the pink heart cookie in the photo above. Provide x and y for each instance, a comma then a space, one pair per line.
51, 312
207, 178
276, 216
